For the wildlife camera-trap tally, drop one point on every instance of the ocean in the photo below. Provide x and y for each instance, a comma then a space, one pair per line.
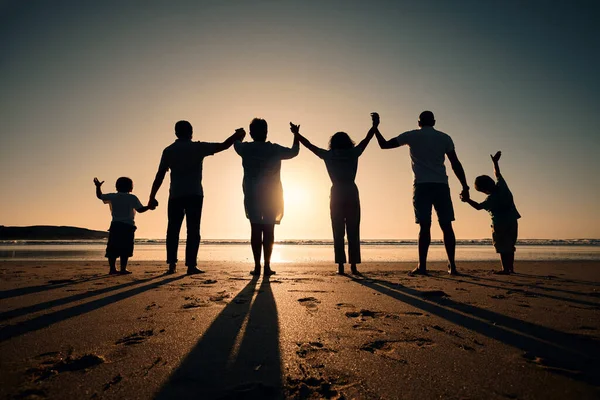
303, 250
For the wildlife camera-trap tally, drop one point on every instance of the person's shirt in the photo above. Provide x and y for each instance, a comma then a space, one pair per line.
428, 149
184, 159
500, 204
262, 160
122, 206
341, 164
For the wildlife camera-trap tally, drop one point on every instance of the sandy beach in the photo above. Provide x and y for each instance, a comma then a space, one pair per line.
70, 331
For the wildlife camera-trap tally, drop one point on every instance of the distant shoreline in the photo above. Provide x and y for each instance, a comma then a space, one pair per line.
49, 232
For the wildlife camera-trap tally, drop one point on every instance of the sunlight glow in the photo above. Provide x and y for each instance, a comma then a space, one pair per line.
297, 197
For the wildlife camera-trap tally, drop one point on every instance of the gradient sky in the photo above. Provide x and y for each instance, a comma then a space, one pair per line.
94, 89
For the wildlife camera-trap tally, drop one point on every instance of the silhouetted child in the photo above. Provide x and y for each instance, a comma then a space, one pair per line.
501, 207
341, 161
123, 206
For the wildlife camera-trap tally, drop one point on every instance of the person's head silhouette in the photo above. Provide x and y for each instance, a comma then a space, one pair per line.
183, 130
340, 141
258, 130
485, 184
426, 118
124, 185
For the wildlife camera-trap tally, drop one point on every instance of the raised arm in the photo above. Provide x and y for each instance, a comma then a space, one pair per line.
296, 131
365, 142
495, 159
287, 153
237, 135
98, 188
384, 144
458, 171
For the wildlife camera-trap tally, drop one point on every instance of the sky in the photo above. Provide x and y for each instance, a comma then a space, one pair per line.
94, 89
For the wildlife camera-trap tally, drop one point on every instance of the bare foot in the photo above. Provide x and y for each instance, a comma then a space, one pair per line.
172, 269
113, 272
502, 272
194, 271
418, 271
255, 272
269, 272
125, 272
452, 271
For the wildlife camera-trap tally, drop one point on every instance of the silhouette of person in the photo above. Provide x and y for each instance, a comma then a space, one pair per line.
341, 161
184, 159
428, 149
501, 207
263, 192
121, 236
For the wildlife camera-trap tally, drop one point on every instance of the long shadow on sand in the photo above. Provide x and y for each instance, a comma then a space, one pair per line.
559, 279
65, 300
45, 320
521, 284
214, 369
57, 284
553, 350
525, 292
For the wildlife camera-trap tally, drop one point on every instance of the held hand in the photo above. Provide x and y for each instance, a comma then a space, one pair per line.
375, 119
152, 204
241, 133
294, 128
97, 182
464, 196
496, 156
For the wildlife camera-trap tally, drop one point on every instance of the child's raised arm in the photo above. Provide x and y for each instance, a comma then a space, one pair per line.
98, 188
495, 159
316, 150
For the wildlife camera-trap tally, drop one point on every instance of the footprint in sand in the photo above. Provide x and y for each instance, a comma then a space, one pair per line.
194, 302
55, 366
311, 303
312, 348
389, 348
136, 338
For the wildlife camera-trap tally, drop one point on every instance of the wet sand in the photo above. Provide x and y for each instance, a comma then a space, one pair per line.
70, 331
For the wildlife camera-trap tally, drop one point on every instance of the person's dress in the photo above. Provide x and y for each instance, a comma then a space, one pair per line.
263, 192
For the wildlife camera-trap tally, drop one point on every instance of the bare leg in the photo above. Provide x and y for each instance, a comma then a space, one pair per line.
450, 244
256, 244
124, 269
341, 268
268, 242
508, 260
112, 263
424, 241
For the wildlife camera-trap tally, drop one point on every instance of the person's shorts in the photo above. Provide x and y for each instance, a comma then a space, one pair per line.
120, 240
426, 195
504, 236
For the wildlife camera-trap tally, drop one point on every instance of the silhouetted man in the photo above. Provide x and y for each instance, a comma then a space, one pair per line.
428, 149
184, 159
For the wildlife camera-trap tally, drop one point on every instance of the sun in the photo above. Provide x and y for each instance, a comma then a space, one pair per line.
296, 197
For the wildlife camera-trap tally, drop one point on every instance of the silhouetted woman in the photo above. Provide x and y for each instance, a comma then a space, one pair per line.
263, 193
341, 161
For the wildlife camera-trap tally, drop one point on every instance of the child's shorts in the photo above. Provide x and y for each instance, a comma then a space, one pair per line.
120, 240
504, 236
